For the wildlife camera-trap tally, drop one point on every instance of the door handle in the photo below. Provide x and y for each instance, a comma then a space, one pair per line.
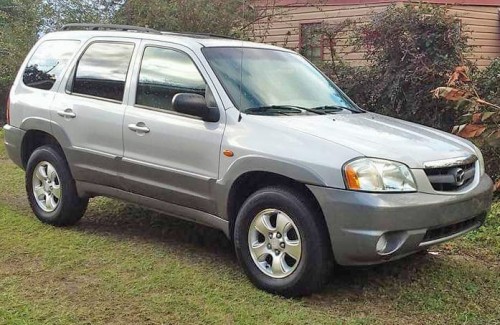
67, 113
139, 127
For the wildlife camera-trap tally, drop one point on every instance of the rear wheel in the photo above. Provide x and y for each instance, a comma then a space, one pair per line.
51, 188
281, 244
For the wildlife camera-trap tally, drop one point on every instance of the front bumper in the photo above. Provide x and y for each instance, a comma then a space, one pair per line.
13, 139
371, 228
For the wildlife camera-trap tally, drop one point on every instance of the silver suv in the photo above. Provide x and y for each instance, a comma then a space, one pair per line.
248, 138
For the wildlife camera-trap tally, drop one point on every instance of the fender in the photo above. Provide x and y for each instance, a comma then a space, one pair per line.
49, 127
36, 123
265, 164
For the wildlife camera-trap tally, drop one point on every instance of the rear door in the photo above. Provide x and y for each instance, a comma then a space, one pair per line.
170, 156
89, 110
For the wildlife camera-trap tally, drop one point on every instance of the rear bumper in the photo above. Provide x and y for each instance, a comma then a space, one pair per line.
368, 228
13, 139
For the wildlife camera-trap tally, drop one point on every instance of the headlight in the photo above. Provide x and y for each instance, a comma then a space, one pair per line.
377, 175
480, 158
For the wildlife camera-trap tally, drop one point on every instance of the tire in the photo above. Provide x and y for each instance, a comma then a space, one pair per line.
298, 277
47, 172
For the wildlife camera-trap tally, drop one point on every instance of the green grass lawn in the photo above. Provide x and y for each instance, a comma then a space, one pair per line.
125, 265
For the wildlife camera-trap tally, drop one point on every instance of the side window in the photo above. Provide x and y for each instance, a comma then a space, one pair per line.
165, 73
102, 70
48, 62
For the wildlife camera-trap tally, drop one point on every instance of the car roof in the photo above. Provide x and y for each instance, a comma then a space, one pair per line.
193, 41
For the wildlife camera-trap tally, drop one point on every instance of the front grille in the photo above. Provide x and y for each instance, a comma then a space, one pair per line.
447, 231
454, 178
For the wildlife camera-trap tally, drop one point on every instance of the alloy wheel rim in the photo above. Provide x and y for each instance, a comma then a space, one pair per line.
275, 244
46, 186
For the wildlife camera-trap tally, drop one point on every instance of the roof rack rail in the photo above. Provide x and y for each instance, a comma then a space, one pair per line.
194, 34
78, 26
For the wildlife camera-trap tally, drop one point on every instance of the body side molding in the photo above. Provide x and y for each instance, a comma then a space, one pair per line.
88, 189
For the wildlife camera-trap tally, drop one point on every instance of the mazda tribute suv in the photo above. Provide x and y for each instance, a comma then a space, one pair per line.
244, 137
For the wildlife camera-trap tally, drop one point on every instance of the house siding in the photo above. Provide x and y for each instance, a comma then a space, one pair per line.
480, 22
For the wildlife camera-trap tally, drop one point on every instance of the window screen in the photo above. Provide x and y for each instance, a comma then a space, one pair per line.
48, 62
102, 70
165, 73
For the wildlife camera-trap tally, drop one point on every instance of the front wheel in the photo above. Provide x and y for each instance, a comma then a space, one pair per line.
51, 188
282, 243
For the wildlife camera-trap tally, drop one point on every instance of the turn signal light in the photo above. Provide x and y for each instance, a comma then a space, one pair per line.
228, 153
352, 179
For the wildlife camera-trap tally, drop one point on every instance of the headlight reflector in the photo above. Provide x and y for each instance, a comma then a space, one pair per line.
378, 175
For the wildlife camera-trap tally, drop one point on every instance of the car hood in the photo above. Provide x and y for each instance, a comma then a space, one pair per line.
379, 136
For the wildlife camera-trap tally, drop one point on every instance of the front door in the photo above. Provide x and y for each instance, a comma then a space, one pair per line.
170, 156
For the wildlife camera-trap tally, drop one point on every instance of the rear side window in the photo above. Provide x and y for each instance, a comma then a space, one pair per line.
48, 62
102, 70
165, 73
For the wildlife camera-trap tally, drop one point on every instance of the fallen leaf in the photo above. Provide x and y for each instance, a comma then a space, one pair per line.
460, 74
450, 93
458, 128
497, 186
472, 131
487, 115
477, 118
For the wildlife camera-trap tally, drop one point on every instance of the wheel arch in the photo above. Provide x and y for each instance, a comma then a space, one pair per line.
40, 132
34, 139
248, 182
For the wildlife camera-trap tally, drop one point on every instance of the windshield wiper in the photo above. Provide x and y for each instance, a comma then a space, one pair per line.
281, 109
331, 108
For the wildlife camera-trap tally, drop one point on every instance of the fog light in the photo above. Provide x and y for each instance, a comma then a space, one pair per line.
390, 242
381, 244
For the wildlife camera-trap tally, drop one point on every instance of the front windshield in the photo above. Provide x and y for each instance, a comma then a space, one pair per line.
260, 79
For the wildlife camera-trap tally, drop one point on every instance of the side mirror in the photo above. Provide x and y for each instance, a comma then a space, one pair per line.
195, 105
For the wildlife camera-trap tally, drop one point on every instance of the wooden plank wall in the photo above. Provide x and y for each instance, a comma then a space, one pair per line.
482, 24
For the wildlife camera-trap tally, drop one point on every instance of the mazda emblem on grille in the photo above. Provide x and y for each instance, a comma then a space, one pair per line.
459, 175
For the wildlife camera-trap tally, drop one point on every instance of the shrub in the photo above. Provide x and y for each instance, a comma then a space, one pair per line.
488, 87
18, 32
488, 82
409, 50
480, 97
234, 18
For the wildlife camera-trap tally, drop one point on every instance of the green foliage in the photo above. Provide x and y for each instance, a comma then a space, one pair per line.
19, 22
224, 17
56, 13
488, 87
488, 82
410, 50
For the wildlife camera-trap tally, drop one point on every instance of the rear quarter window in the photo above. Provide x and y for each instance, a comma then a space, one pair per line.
48, 62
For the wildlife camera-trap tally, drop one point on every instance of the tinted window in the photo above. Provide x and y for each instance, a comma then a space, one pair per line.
48, 62
165, 73
102, 70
